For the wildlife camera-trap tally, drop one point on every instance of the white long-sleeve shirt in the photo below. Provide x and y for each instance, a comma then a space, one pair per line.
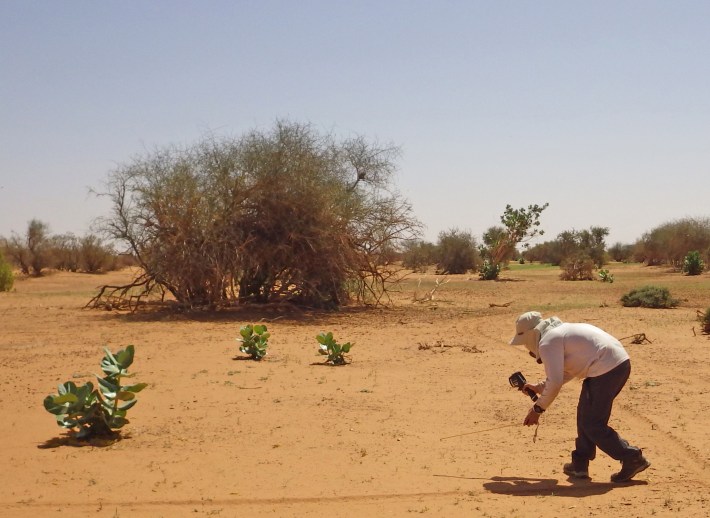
576, 350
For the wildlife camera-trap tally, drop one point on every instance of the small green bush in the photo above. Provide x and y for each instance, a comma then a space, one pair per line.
7, 279
335, 352
649, 297
254, 340
693, 264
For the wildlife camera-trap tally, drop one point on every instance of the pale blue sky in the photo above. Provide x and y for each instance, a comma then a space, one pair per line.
600, 108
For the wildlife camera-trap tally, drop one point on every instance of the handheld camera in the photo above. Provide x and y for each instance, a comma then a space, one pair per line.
518, 381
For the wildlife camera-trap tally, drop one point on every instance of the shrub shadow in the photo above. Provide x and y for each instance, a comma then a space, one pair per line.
265, 313
70, 440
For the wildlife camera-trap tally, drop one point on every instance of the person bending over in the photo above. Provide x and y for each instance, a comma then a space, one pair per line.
580, 350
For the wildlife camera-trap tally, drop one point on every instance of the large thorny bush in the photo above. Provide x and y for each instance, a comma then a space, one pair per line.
288, 214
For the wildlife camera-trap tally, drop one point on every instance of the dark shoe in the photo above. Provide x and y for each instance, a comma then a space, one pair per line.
575, 471
630, 468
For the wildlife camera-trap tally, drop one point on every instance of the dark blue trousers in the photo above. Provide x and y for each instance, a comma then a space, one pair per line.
593, 412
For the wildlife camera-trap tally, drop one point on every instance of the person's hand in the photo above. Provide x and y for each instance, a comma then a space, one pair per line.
532, 418
535, 388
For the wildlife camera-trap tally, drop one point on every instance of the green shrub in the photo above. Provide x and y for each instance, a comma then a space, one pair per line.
331, 348
89, 412
254, 340
693, 264
7, 279
649, 297
704, 319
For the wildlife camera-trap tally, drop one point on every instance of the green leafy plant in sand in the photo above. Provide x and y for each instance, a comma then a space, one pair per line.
335, 351
87, 411
254, 340
605, 276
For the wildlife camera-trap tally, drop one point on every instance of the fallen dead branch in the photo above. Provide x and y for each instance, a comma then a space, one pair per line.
638, 338
440, 346
429, 296
127, 296
494, 305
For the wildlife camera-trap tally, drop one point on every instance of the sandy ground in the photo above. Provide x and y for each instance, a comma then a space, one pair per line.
218, 435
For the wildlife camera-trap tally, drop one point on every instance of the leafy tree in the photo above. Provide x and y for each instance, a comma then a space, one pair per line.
284, 215
491, 238
38, 244
591, 243
457, 251
519, 226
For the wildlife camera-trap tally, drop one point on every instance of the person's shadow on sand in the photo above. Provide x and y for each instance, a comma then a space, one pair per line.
519, 486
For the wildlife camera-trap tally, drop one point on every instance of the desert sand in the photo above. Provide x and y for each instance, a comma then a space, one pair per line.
216, 434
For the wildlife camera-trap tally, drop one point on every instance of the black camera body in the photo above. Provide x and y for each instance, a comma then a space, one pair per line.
518, 381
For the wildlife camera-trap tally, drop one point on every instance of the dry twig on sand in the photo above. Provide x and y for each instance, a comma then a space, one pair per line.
638, 338
429, 296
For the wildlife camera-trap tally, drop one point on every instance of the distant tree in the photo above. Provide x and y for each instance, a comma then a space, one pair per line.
591, 243
95, 256
31, 252
545, 252
17, 252
38, 245
457, 251
670, 242
417, 255
568, 246
65, 251
620, 252
572, 246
